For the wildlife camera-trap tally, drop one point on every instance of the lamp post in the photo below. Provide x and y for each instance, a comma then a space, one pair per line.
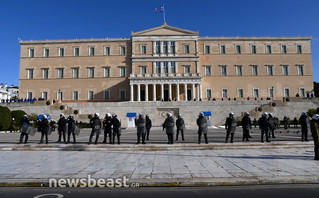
272, 92
59, 96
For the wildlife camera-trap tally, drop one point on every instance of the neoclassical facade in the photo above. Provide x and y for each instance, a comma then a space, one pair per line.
166, 63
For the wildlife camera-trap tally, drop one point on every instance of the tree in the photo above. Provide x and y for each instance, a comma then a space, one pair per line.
17, 115
5, 118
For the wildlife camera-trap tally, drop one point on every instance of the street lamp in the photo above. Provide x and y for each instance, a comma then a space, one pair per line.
272, 92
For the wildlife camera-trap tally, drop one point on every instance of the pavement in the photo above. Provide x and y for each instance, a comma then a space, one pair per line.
286, 160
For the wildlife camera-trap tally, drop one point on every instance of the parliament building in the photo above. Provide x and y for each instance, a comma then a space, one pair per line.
166, 63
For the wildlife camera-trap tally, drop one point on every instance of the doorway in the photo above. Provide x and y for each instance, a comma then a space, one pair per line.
189, 94
142, 95
165, 95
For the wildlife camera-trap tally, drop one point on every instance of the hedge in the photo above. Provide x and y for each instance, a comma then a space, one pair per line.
18, 116
311, 112
5, 118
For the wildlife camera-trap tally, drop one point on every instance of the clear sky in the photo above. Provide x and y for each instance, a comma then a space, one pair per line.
71, 19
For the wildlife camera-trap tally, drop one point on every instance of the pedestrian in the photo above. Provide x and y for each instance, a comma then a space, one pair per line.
255, 122
312, 95
264, 125
24, 124
107, 124
314, 123
180, 125
141, 130
295, 122
45, 127
96, 127
12, 128
246, 124
286, 120
148, 126
71, 129
230, 126
272, 126
116, 129
202, 127
305, 123
277, 122
62, 127
169, 126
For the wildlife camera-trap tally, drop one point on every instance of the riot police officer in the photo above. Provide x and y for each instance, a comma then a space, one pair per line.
180, 125
314, 123
116, 128
148, 123
107, 124
140, 124
202, 127
272, 125
96, 127
230, 126
304, 122
62, 127
44, 129
264, 125
25, 123
169, 126
71, 129
246, 124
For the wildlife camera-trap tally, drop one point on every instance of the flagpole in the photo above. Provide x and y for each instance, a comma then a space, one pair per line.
164, 13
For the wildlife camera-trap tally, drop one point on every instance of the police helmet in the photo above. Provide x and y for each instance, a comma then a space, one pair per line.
97, 114
61, 115
303, 113
108, 115
25, 115
201, 114
114, 115
45, 117
315, 117
246, 113
270, 115
265, 114
169, 115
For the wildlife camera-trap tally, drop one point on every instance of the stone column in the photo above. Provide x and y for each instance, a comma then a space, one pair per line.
193, 91
170, 91
177, 92
133, 67
154, 67
154, 92
138, 92
162, 64
154, 47
185, 92
132, 93
146, 92
197, 67
197, 92
162, 91
200, 92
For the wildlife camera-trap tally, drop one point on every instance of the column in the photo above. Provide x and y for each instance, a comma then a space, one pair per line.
154, 47
162, 64
193, 89
162, 91
154, 92
162, 47
185, 92
200, 92
146, 92
177, 92
132, 93
197, 67
197, 92
168, 67
154, 67
196, 48
170, 91
168, 47
133, 67
138, 92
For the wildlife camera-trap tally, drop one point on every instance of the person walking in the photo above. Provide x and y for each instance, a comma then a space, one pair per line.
96, 127
148, 126
246, 124
264, 126
180, 125
314, 123
230, 126
169, 126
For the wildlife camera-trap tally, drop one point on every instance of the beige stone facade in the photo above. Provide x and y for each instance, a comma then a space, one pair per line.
166, 63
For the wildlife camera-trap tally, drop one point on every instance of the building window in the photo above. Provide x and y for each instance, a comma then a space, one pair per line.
223, 70
75, 72
45, 73
283, 49
268, 49
107, 72
208, 93
186, 49
299, 49
173, 47
224, 93
29, 95
300, 70
60, 95
270, 70
90, 72
91, 51
76, 51
107, 50
158, 67
285, 70
286, 92
187, 69
31, 53
256, 93
123, 50
157, 47
46, 52
208, 70
122, 72
61, 51
239, 70
165, 49
106, 94
238, 49
240, 93
302, 92
143, 49
254, 71
222, 49
45, 95
90, 95
165, 67
206, 49
75, 95
173, 66
30, 73
271, 92
253, 49
122, 94
60, 73
143, 70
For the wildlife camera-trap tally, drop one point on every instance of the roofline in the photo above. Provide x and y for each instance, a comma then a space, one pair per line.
238, 38
187, 32
73, 41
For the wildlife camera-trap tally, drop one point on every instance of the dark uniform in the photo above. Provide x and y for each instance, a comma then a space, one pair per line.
169, 126
96, 128
44, 130
107, 124
202, 128
148, 126
263, 125
180, 125
304, 122
116, 129
272, 126
141, 130
230, 126
314, 123
25, 124
71, 129
246, 124
61, 128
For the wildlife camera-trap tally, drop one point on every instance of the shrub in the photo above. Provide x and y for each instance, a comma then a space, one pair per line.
311, 112
18, 115
5, 118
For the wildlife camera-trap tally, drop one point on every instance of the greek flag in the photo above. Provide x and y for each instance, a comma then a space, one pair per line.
159, 9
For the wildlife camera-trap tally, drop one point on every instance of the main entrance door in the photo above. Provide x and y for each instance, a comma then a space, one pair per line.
142, 95
189, 94
165, 95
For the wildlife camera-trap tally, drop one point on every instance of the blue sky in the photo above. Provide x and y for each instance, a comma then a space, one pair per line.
70, 19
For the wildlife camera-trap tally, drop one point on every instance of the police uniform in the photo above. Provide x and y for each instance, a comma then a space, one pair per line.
169, 126
202, 128
141, 130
